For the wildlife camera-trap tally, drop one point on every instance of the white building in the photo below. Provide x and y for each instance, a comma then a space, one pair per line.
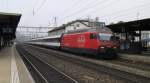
75, 25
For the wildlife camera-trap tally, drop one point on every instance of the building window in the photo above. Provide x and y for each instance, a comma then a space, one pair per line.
78, 25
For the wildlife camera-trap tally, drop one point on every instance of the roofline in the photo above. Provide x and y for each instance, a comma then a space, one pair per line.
90, 30
69, 23
128, 22
14, 14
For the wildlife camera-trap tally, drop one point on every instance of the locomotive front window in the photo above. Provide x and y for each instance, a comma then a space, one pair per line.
104, 36
93, 36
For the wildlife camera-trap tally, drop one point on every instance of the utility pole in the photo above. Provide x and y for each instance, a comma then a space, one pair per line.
55, 21
33, 12
49, 23
88, 18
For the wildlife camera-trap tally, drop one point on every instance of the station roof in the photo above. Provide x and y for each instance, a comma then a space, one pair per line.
10, 20
143, 25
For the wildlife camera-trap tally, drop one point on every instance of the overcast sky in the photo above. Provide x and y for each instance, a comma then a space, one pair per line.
42, 12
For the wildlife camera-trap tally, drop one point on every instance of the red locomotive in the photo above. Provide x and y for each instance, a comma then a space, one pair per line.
96, 42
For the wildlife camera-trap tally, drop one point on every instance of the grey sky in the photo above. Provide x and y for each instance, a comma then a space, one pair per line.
67, 10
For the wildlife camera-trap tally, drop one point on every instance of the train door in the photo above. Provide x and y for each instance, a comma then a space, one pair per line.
81, 41
93, 40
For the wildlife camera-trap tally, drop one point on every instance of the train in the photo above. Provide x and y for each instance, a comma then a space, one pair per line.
97, 42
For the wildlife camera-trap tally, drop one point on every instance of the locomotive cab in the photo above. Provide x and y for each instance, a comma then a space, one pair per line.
107, 44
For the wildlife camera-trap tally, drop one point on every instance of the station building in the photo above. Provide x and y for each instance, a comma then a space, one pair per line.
75, 25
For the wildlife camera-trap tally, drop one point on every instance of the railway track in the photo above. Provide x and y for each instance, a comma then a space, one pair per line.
41, 71
92, 64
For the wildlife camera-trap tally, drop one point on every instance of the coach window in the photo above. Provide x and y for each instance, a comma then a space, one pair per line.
93, 36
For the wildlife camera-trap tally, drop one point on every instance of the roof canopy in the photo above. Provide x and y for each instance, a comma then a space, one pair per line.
9, 20
143, 25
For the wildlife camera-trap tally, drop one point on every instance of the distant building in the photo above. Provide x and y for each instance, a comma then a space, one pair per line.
75, 25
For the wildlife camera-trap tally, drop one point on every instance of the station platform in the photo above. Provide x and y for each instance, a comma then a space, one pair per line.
136, 57
12, 68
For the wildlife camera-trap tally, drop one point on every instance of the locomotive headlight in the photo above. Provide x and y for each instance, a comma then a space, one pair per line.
102, 47
115, 47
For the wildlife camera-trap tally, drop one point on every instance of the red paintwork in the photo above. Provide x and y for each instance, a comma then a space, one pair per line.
82, 40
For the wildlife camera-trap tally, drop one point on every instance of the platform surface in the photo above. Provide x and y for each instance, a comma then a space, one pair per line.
136, 57
12, 68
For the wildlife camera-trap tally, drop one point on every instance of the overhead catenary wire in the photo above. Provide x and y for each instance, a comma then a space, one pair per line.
34, 10
125, 10
35, 3
74, 5
41, 5
30, 11
104, 6
79, 6
126, 13
134, 16
34, 6
85, 8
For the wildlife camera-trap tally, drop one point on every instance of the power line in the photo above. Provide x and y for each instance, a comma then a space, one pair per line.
125, 10
136, 15
76, 4
35, 3
110, 14
128, 13
85, 4
55, 21
34, 6
41, 5
32, 11
105, 6
85, 9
